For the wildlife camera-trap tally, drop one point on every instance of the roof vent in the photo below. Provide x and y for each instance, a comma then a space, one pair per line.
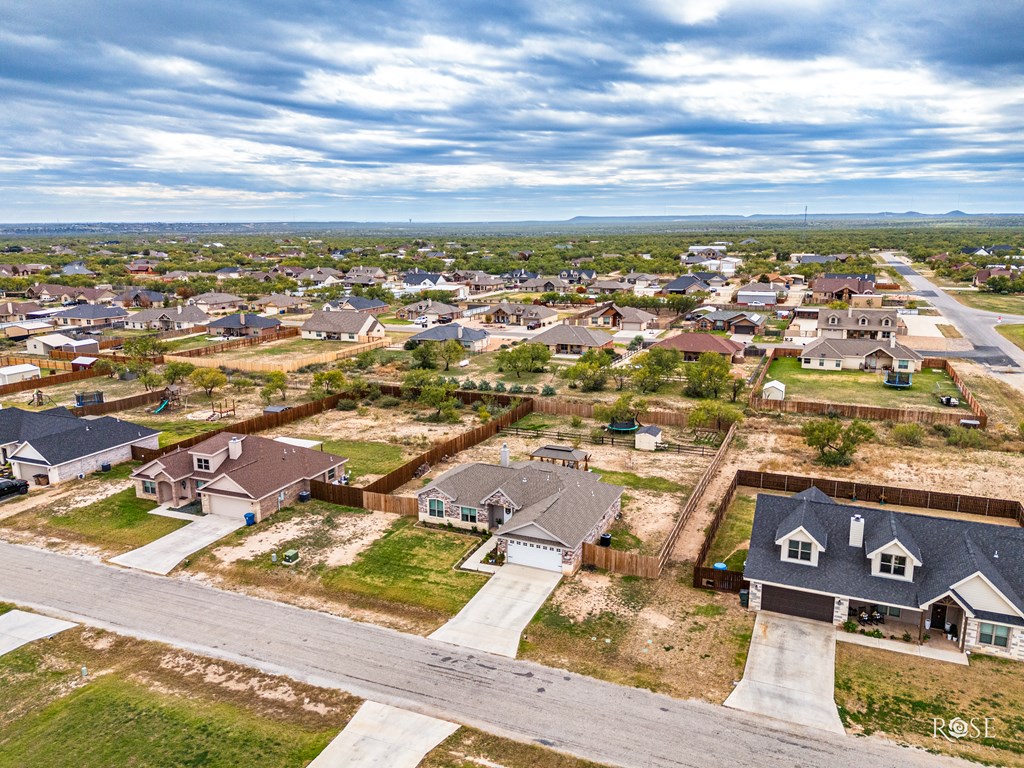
996, 555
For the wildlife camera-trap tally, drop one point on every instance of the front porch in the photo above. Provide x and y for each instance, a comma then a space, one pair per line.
939, 626
935, 649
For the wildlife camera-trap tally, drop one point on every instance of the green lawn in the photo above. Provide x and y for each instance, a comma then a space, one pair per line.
117, 523
631, 480
413, 566
730, 544
1014, 333
860, 387
364, 457
112, 721
173, 431
993, 302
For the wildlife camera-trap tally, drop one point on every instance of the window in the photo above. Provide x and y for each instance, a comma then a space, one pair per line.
895, 565
148, 486
800, 550
833, 320
903, 364
203, 465
862, 321
331, 473
821, 363
200, 484
435, 507
468, 515
894, 612
994, 634
886, 322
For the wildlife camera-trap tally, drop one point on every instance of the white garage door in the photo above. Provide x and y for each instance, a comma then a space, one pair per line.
534, 555
223, 506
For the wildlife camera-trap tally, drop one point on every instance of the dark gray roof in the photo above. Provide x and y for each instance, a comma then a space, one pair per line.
17, 425
561, 452
92, 312
339, 321
358, 303
574, 335
949, 550
803, 516
450, 331
251, 321
82, 437
683, 282
650, 429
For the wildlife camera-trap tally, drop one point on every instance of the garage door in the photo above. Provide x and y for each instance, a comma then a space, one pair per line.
793, 603
534, 555
228, 507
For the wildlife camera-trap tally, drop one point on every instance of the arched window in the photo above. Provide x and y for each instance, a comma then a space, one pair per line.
862, 321
833, 320
886, 322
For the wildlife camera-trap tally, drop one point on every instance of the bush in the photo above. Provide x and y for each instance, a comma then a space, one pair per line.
484, 386
908, 434
576, 422
961, 437
941, 429
597, 433
347, 405
387, 401
547, 391
529, 389
850, 625
515, 389
469, 384
500, 387
410, 345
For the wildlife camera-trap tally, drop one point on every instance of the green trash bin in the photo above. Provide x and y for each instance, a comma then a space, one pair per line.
744, 598
291, 557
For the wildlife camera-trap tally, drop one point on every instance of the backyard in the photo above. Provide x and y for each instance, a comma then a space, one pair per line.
733, 537
861, 387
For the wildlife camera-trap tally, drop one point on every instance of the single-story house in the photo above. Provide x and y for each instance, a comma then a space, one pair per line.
686, 285
167, 319
60, 446
13, 311
321, 276
757, 294
841, 288
241, 325
541, 513
215, 302
535, 315
693, 345
91, 315
853, 323
573, 339
357, 304
43, 345
747, 323
428, 308
279, 304
67, 294
859, 354
11, 374
614, 317
815, 558
547, 285
76, 269
711, 279
140, 298
236, 474
344, 325
472, 339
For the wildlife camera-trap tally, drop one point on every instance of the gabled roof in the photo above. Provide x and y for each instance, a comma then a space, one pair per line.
188, 313
244, 321
803, 517
685, 282
279, 300
450, 331
339, 321
834, 349
65, 439
92, 312
359, 303
701, 342
215, 298
889, 531
575, 335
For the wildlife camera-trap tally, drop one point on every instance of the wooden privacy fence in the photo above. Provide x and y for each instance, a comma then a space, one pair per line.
42, 362
124, 404
616, 561
629, 442
48, 381
350, 496
292, 364
249, 341
560, 407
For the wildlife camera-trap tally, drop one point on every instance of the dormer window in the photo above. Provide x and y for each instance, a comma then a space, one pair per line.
894, 565
799, 550
833, 320
886, 322
203, 465
862, 321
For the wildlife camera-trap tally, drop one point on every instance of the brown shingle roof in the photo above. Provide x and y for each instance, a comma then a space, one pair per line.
701, 342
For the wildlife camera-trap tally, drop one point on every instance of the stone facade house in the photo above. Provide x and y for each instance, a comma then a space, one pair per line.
343, 325
860, 354
534, 315
573, 339
860, 324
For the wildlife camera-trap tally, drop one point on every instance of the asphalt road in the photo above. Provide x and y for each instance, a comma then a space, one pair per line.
977, 325
580, 715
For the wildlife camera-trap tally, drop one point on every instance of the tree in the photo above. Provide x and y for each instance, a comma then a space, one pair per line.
326, 383
439, 395
150, 379
277, 381
736, 387
104, 368
636, 343
450, 351
175, 371
590, 372
143, 347
514, 360
707, 376
365, 359
651, 369
836, 444
714, 413
626, 408
207, 379
538, 354
425, 355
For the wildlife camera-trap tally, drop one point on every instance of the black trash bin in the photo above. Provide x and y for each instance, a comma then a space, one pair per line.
605, 540
744, 598
105, 466
304, 496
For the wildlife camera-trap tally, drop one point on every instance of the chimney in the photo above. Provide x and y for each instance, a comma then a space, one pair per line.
504, 454
892, 341
849, 311
856, 531
234, 447
241, 319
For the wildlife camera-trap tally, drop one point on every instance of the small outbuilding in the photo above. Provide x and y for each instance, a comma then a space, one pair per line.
10, 374
566, 455
648, 438
774, 390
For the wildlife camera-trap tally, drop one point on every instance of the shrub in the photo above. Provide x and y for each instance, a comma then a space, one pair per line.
347, 405
547, 391
529, 389
941, 429
576, 422
410, 345
484, 386
469, 384
597, 434
961, 437
515, 389
908, 434
388, 402
499, 387
850, 625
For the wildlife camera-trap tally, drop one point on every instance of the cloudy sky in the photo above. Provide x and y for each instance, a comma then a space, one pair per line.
449, 110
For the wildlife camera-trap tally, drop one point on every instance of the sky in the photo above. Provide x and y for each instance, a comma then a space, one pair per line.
449, 110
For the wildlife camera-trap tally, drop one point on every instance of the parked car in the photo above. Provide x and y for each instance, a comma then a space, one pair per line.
444, 319
422, 320
12, 487
532, 326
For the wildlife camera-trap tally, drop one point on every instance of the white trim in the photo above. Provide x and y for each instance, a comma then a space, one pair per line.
994, 589
897, 542
789, 535
508, 531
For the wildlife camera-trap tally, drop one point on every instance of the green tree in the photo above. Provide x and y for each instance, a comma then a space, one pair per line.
651, 369
450, 351
150, 379
736, 387
590, 372
326, 383
207, 379
514, 360
140, 347
425, 355
715, 414
707, 376
439, 395
626, 408
176, 371
835, 443
277, 381
538, 354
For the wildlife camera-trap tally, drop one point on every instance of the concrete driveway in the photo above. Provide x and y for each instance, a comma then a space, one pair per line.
18, 628
496, 616
162, 555
379, 736
791, 672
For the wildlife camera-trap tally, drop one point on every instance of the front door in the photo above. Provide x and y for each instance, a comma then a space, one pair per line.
939, 617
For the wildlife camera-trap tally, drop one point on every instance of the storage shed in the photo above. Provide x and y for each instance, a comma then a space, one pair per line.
9, 374
774, 390
648, 438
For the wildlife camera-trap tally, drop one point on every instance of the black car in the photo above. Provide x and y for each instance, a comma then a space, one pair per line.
11, 487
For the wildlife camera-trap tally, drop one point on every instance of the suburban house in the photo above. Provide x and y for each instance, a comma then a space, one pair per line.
542, 513
547, 285
212, 303
471, 339
76, 269
529, 315
228, 273
279, 304
321, 276
373, 274
573, 339
167, 319
746, 323
860, 323
67, 294
242, 325
59, 446
860, 354
711, 279
841, 287
957, 580
416, 281
142, 266
342, 325
757, 295
139, 298
357, 304
693, 345
612, 316
686, 285
91, 315
11, 311
428, 308
578, 276
618, 285
234, 475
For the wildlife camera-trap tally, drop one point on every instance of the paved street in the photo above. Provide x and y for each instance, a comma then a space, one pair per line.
580, 715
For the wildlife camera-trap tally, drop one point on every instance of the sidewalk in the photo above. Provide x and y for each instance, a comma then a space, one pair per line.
898, 646
473, 562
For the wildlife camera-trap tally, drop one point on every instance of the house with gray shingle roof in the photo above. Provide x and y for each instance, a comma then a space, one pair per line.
342, 325
918, 574
542, 513
573, 339
860, 354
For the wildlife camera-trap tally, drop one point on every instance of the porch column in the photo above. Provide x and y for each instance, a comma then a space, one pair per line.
920, 629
